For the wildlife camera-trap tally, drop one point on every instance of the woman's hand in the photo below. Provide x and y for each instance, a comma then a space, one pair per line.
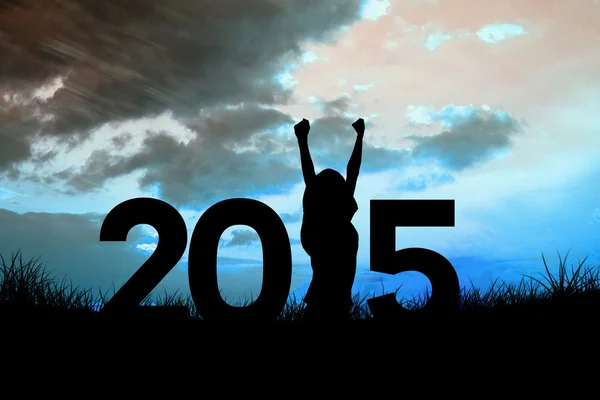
302, 128
359, 127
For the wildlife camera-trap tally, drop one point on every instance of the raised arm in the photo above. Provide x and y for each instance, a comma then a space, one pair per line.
353, 167
301, 130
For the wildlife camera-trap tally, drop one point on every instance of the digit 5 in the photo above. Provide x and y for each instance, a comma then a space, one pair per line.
386, 215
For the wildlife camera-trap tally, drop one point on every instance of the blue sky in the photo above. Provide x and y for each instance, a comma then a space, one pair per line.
492, 105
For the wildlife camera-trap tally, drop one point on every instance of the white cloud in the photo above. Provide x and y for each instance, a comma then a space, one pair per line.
494, 33
435, 40
374, 9
311, 57
390, 44
286, 79
419, 115
46, 92
147, 247
362, 88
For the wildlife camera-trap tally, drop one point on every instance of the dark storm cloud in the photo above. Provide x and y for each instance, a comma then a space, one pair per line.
234, 153
243, 237
18, 128
121, 140
471, 135
338, 105
290, 218
129, 59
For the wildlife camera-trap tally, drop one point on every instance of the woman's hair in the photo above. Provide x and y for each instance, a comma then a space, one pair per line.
328, 196
330, 181
332, 189
329, 175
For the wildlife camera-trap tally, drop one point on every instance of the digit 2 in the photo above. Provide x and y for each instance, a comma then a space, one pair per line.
172, 241
386, 215
277, 261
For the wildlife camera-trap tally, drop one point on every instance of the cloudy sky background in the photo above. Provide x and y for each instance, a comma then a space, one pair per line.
493, 104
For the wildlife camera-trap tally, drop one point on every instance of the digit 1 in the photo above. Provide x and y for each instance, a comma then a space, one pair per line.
277, 261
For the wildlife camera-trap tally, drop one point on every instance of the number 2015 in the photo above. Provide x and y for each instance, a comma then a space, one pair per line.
385, 216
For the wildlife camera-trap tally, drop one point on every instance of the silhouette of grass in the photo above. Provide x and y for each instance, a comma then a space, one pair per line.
29, 284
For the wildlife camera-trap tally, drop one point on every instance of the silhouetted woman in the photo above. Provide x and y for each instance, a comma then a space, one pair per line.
327, 233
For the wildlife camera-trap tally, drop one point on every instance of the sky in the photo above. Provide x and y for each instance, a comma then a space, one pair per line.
491, 103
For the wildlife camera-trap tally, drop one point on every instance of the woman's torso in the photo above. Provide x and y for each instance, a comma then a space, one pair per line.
329, 201
327, 219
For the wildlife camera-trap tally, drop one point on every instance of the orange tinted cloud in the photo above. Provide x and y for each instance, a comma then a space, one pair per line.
526, 74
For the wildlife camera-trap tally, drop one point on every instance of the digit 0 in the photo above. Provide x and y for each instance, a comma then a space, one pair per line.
277, 261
